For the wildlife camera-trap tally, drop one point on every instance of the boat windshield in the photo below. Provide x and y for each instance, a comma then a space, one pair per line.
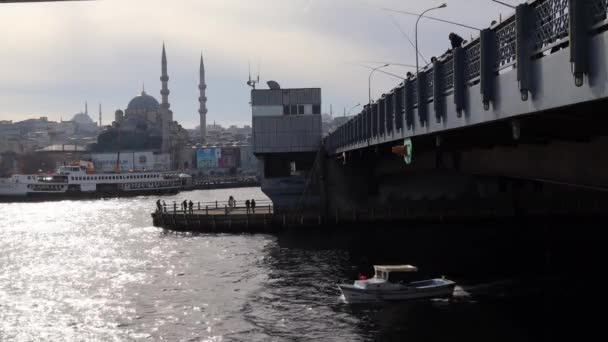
380, 274
403, 277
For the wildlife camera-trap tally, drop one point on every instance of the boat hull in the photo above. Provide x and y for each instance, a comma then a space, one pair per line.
67, 195
353, 294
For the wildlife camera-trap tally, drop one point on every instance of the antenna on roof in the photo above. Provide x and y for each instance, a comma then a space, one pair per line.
253, 82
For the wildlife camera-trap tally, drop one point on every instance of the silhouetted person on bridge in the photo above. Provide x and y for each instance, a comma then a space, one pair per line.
164, 206
253, 206
455, 40
185, 205
191, 205
247, 204
158, 207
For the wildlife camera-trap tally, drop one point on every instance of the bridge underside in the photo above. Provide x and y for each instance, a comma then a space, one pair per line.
557, 155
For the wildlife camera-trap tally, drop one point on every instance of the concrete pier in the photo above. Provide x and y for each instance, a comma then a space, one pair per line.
219, 218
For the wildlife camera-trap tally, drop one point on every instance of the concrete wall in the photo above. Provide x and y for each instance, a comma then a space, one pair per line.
286, 134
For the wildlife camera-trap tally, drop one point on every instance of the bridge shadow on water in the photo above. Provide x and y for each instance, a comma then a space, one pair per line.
517, 281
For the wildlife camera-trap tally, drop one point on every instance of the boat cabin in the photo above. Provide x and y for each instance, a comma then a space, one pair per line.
395, 273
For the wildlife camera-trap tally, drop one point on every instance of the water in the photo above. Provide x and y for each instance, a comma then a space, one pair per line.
98, 271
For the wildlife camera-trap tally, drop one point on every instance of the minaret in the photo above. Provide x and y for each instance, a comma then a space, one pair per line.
164, 79
165, 113
86, 108
202, 100
100, 115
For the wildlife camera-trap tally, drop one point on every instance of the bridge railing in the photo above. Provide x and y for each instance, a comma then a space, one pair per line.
537, 29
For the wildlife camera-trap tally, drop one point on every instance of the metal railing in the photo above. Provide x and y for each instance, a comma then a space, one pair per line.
547, 25
215, 207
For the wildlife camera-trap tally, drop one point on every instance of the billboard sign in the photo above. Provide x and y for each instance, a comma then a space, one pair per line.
231, 157
139, 161
162, 162
206, 158
106, 162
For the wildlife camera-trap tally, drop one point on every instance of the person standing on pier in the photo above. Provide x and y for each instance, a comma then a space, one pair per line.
191, 205
185, 205
247, 204
164, 206
158, 207
253, 206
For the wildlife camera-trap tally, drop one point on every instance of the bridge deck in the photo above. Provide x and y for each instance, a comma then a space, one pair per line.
550, 55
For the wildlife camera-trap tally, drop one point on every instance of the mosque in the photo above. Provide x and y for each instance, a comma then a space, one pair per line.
147, 125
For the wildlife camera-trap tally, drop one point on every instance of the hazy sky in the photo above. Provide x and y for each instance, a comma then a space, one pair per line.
56, 56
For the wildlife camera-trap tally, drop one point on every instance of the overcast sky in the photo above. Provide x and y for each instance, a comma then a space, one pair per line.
56, 56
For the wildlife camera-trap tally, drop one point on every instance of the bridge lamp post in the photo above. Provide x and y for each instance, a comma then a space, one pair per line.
369, 82
444, 5
504, 4
350, 110
369, 86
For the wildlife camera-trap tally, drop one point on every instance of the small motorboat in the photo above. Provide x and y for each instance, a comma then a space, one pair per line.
396, 283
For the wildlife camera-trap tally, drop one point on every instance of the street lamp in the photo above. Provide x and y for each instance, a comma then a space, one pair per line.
504, 4
350, 110
434, 18
417, 20
369, 82
369, 86
382, 71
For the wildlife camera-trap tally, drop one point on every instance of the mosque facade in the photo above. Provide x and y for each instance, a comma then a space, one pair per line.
147, 125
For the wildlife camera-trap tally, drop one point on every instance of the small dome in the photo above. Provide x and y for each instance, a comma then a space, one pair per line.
143, 101
82, 118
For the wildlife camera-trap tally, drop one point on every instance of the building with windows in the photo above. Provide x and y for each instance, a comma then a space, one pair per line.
286, 140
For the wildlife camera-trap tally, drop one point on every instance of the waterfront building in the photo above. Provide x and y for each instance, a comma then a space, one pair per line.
286, 141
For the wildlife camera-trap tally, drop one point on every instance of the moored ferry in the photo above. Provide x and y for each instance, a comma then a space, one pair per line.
82, 181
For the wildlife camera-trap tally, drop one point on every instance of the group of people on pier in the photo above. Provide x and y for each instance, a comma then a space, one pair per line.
188, 206
161, 207
249, 205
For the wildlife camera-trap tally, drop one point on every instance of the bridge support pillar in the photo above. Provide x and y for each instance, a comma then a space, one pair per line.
438, 99
409, 104
523, 23
488, 61
421, 84
459, 81
579, 39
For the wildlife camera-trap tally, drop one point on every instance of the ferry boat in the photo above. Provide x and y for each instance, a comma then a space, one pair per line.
82, 181
394, 283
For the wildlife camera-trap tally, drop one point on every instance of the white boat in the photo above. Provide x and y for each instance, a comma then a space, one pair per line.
395, 283
80, 181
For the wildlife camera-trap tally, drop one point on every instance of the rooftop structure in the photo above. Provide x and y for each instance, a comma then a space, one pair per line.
286, 120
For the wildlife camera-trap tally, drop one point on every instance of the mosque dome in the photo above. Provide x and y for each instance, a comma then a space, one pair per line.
83, 119
143, 101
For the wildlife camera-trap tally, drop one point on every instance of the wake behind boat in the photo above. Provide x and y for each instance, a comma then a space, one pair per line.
393, 283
